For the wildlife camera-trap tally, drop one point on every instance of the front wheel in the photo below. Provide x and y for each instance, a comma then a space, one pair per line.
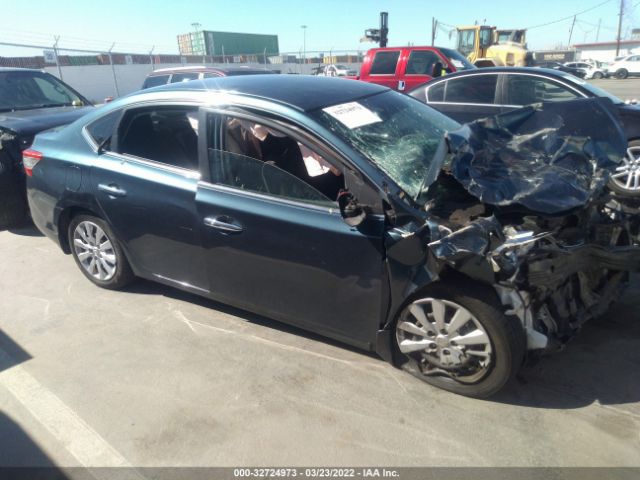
98, 253
459, 340
598, 75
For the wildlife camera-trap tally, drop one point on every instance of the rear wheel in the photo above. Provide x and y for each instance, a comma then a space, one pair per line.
459, 340
598, 75
622, 73
98, 253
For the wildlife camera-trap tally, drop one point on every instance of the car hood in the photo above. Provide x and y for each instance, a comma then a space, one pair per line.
549, 158
30, 122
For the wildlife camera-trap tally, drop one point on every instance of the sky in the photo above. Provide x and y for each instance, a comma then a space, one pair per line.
136, 26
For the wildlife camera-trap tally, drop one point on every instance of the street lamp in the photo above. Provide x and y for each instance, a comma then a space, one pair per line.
304, 42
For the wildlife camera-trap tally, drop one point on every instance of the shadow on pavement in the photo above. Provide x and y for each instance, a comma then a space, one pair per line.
28, 229
146, 287
19, 450
11, 354
601, 365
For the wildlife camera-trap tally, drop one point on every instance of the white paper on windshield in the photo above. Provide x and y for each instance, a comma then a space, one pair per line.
352, 115
457, 63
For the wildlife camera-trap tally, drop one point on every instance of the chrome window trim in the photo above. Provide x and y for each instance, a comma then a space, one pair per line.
218, 187
528, 74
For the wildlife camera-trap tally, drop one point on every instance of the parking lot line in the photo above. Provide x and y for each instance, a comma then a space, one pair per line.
86, 445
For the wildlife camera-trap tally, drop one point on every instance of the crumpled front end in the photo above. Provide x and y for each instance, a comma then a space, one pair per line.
521, 205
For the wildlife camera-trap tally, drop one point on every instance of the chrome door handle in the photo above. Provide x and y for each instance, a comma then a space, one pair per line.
223, 223
112, 190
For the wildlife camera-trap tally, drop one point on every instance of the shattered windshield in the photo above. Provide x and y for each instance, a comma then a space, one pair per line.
398, 133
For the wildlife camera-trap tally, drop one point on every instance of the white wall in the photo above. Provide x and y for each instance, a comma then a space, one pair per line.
605, 54
96, 81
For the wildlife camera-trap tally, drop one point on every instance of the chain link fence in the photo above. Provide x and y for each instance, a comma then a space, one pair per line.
100, 74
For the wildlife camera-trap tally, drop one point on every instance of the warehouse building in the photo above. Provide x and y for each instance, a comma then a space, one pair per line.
205, 42
606, 51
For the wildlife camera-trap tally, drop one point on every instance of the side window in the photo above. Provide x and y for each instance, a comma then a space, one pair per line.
384, 63
436, 93
472, 89
184, 77
155, 81
421, 62
260, 159
102, 129
162, 134
525, 90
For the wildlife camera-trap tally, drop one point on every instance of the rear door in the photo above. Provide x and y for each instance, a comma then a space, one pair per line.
384, 68
275, 244
467, 98
145, 183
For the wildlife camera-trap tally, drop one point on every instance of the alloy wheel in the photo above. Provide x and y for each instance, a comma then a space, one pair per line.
627, 175
445, 339
94, 251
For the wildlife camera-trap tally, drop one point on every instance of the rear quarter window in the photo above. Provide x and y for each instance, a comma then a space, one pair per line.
384, 63
101, 130
436, 93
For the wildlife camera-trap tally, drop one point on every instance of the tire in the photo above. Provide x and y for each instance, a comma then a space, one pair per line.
98, 253
622, 74
618, 184
598, 75
473, 375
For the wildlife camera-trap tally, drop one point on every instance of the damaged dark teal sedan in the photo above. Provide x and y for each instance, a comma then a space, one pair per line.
353, 211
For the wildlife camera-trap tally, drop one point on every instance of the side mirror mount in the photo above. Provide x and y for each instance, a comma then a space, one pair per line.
352, 213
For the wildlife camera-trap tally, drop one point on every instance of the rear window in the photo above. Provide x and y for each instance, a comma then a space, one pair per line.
384, 63
184, 77
474, 89
155, 81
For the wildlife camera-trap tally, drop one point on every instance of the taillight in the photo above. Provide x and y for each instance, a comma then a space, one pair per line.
30, 158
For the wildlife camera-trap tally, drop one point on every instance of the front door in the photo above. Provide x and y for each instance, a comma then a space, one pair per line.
274, 240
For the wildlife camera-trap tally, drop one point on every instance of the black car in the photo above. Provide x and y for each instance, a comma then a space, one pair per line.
30, 101
575, 71
351, 210
470, 95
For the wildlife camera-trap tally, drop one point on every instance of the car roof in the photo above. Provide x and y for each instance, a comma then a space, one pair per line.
549, 72
16, 69
205, 69
302, 92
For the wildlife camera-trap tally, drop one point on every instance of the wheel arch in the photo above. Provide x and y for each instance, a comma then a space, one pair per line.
64, 220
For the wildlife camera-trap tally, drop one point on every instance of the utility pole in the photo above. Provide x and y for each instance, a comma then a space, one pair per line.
55, 52
571, 31
434, 25
598, 31
619, 27
304, 43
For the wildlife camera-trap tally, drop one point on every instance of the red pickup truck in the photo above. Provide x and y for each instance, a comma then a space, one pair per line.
404, 68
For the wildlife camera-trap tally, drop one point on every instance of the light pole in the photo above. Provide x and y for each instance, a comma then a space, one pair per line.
304, 43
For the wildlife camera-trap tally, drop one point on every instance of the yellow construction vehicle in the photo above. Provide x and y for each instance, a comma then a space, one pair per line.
487, 46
